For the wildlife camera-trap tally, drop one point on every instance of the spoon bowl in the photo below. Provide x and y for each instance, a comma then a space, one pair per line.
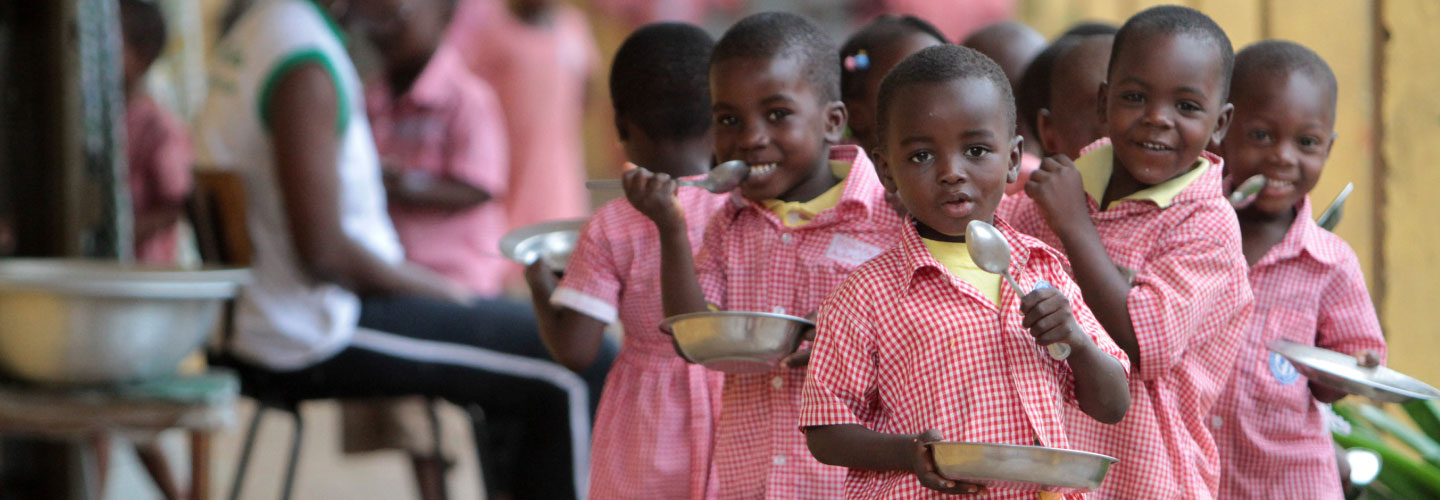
723, 178
1247, 191
991, 253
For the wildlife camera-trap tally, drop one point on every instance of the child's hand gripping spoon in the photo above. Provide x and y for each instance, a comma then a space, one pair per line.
991, 253
723, 178
1246, 192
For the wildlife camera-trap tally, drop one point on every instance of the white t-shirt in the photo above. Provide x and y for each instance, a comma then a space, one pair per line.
286, 320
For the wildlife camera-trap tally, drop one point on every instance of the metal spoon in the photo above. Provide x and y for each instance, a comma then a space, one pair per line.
1331, 216
1246, 192
991, 253
724, 178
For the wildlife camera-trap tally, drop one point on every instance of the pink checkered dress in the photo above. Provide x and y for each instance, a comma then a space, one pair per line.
1270, 430
1189, 303
751, 262
905, 346
654, 434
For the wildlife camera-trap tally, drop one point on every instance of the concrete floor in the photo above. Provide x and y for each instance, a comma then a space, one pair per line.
324, 472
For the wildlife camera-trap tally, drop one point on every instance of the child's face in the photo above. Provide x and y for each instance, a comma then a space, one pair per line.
1284, 127
768, 115
948, 152
405, 32
1071, 122
885, 57
1162, 106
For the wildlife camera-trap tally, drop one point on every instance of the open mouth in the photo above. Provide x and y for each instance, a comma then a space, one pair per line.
1277, 187
758, 170
957, 206
1154, 146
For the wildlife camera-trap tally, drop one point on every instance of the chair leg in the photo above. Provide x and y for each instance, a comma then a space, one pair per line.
239, 478
153, 458
294, 451
199, 465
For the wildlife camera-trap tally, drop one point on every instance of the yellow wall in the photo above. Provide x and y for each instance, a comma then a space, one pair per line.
1385, 217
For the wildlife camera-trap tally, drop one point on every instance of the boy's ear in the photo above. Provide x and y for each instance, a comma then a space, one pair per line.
836, 116
882, 169
1017, 146
1044, 131
1222, 124
1100, 101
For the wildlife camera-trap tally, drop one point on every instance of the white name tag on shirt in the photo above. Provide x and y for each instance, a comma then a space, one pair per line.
850, 251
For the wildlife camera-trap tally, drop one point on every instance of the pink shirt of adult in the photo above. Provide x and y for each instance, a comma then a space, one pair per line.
957, 19
903, 346
750, 261
448, 124
539, 73
1271, 432
654, 434
158, 152
1189, 304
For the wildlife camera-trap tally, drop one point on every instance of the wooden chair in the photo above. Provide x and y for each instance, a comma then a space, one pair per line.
217, 212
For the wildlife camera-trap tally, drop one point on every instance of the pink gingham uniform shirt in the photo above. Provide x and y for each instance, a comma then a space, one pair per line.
749, 261
654, 434
904, 346
1189, 304
1271, 432
448, 124
158, 152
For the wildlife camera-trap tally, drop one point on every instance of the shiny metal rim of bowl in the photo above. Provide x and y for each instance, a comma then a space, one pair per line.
516, 244
114, 279
665, 324
1345, 368
1037, 465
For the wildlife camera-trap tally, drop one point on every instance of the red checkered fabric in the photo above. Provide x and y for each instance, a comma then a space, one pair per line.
1189, 304
1271, 432
904, 346
751, 262
654, 434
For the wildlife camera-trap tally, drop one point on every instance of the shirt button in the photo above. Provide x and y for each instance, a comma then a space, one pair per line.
779, 460
1216, 421
785, 238
777, 382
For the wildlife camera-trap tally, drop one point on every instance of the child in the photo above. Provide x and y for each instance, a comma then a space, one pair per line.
1268, 424
654, 436
157, 146
922, 311
808, 214
1062, 86
1155, 248
1013, 46
539, 55
867, 56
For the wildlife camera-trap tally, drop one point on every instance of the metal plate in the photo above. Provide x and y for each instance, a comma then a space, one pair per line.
114, 279
1022, 468
551, 241
1343, 372
736, 341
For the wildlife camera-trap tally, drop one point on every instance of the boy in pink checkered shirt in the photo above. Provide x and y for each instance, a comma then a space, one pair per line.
1268, 424
808, 214
1155, 248
920, 345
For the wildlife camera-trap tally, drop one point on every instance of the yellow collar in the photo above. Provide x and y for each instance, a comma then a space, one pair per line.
799, 213
1097, 166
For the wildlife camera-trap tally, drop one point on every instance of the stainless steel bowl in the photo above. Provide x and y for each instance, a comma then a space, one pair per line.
736, 341
1344, 372
1023, 468
82, 321
548, 241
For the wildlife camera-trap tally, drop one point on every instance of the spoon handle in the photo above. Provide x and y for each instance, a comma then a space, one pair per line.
615, 184
1058, 351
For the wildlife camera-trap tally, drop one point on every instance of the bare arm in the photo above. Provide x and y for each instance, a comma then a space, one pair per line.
654, 196
303, 110
572, 338
1100, 384
855, 447
424, 190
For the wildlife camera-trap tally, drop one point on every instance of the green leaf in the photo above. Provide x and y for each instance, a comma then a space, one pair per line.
1422, 444
1426, 415
1400, 471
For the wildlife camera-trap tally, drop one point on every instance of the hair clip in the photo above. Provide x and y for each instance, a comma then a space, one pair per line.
858, 61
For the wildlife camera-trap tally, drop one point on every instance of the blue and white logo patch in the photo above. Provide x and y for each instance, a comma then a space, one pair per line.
1282, 370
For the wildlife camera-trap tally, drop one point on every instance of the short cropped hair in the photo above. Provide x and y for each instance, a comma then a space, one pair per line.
1283, 57
143, 28
1176, 20
883, 30
770, 35
939, 64
660, 80
1034, 91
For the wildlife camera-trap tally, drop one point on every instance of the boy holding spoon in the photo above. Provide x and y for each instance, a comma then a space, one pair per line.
919, 345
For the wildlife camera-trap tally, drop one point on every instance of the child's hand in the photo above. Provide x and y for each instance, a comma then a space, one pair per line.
922, 463
1058, 191
801, 356
654, 195
1050, 320
541, 279
1368, 358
